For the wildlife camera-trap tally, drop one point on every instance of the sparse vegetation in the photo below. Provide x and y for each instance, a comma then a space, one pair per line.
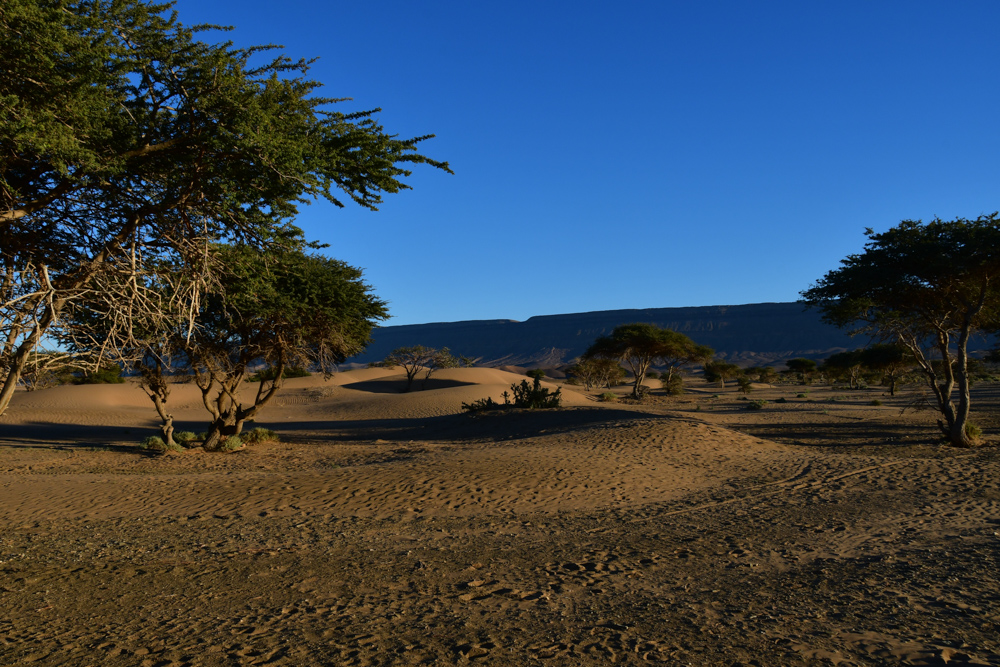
268, 374
526, 396
608, 397
155, 443
756, 404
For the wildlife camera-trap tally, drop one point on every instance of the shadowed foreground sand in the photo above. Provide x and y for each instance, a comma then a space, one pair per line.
387, 528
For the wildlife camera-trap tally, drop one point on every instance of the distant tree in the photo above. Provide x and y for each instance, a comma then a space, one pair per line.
418, 358
536, 373
598, 372
720, 371
764, 374
745, 384
891, 360
640, 345
928, 286
803, 368
847, 365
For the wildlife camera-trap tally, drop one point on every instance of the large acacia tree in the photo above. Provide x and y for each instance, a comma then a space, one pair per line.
641, 345
929, 287
124, 139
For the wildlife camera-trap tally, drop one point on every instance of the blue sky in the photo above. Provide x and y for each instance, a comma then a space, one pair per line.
650, 154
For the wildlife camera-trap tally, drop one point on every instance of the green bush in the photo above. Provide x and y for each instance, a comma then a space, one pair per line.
536, 373
800, 395
232, 443
652, 375
104, 375
609, 397
781, 400
672, 385
259, 435
973, 432
184, 437
876, 402
154, 443
756, 405
269, 374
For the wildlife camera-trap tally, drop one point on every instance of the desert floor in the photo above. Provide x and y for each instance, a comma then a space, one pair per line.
390, 528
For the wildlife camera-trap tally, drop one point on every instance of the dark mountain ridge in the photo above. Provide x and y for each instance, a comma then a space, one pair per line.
759, 333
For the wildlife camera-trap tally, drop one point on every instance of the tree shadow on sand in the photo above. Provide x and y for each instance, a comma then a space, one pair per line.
489, 427
396, 384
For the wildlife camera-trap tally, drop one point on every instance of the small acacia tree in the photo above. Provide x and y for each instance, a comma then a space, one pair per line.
720, 371
284, 308
928, 287
417, 358
844, 365
803, 368
891, 360
639, 345
598, 372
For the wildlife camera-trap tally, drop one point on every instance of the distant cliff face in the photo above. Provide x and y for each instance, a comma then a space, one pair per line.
752, 334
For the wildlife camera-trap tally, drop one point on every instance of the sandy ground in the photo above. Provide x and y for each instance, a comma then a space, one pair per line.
389, 528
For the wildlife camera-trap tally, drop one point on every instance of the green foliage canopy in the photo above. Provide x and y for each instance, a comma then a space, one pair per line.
123, 138
639, 345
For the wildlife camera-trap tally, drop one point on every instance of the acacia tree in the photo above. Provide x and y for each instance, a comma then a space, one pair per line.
419, 358
929, 287
598, 372
640, 345
284, 308
891, 360
123, 137
847, 364
804, 368
720, 371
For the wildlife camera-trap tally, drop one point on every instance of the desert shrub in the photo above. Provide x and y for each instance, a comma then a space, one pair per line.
714, 396
973, 432
484, 404
268, 374
756, 404
535, 373
609, 397
535, 396
184, 437
876, 402
259, 435
800, 395
232, 443
652, 374
154, 443
527, 396
781, 400
104, 375
673, 384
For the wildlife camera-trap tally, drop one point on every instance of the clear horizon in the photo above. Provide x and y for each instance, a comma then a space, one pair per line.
650, 155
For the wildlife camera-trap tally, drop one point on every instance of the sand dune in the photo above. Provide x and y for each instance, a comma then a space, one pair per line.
390, 528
